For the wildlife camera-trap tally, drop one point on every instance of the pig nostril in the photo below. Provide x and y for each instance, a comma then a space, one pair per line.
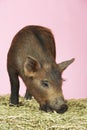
63, 108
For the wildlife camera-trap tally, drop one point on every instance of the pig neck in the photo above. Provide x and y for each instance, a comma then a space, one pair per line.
46, 59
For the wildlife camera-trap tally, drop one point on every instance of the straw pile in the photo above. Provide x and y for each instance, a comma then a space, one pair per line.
29, 117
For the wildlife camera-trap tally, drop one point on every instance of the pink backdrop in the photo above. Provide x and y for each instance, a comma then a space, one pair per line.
68, 21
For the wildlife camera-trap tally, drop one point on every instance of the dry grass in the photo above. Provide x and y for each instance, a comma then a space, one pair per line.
29, 117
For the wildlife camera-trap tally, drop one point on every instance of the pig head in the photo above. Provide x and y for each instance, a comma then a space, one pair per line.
46, 84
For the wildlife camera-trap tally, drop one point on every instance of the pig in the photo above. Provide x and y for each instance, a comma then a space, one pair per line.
32, 57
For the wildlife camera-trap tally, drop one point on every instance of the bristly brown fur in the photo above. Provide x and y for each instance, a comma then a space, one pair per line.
32, 57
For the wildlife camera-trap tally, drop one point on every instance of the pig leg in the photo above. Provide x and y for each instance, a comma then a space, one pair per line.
27, 95
14, 81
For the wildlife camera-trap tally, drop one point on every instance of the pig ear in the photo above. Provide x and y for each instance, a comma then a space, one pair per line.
31, 66
62, 66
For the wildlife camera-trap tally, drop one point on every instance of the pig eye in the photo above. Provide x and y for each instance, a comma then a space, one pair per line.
45, 84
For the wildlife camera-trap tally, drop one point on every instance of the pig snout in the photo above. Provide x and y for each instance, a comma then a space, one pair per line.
59, 105
63, 108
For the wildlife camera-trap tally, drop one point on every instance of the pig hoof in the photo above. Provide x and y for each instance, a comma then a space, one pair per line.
28, 97
16, 105
13, 105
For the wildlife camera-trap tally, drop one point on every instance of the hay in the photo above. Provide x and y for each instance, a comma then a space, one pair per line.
29, 117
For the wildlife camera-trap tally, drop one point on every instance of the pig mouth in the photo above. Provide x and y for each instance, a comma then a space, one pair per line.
47, 108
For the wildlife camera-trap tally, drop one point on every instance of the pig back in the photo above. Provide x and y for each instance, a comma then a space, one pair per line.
45, 38
35, 41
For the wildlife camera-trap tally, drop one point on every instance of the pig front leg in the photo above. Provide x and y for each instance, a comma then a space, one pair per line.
28, 95
14, 81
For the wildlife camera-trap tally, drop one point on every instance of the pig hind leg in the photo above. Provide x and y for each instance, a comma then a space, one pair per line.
14, 81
